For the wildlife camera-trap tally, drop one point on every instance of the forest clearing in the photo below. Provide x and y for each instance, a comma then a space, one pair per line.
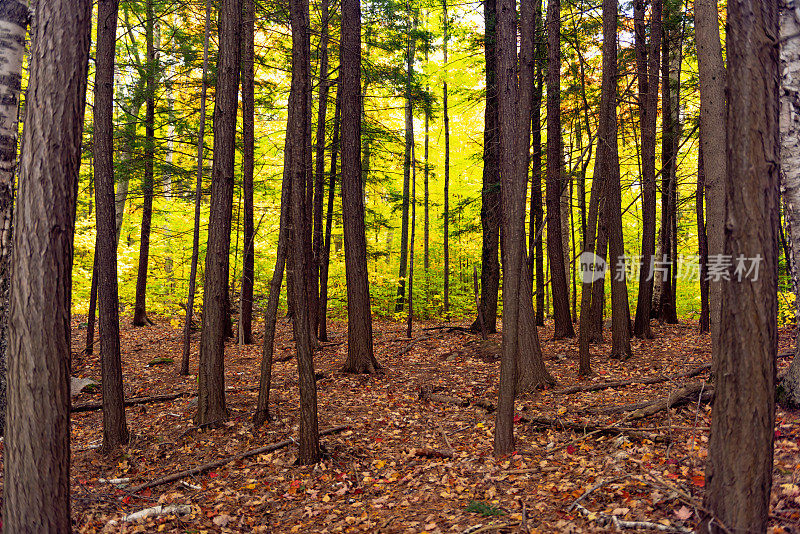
406, 465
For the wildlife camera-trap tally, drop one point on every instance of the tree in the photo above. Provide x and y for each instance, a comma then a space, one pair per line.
555, 171
647, 66
14, 16
739, 469
711, 75
446, 214
490, 193
248, 160
198, 195
140, 308
535, 241
702, 243
211, 407
360, 355
115, 427
326, 249
37, 450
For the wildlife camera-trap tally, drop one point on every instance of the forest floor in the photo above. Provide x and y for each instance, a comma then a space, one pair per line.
383, 474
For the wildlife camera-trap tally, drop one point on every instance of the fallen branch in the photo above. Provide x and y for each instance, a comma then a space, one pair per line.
90, 406
218, 463
677, 397
433, 453
604, 520
636, 381
155, 511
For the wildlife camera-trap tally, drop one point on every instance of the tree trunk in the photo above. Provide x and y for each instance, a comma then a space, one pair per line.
92, 315
319, 164
789, 387
248, 160
115, 427
446, 214
140, 307
739, 469
647, 64
299, 145
490, 193
536, 246
620, 312
702, 243
410, 322
211, 407
326, 250
37, 440
198, 195
555, 171
360, 355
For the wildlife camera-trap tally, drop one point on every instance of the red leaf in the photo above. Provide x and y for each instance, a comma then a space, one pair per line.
570, 449
699, 480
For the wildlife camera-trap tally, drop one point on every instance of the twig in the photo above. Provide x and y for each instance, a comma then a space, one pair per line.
605, 519
592, 490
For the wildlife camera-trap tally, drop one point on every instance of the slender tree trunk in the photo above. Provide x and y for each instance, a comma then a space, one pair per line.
647, 64
92, 315
739, 469
140, 307
555, 171
702, 243
299, 145
248, 161
319, 165
490, 193
426, 201
115, 427
360, 355
198, 195
211, 407
410, 322
536, 245
37, 441
711, 74
789, 387
446, 214
326, 249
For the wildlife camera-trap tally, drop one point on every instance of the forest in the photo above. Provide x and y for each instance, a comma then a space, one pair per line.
399, 266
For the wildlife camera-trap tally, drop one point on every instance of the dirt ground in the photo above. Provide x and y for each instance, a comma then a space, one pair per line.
406, 465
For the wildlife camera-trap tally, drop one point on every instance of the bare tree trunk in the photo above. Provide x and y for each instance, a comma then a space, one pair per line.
115, 427
360, 353
140, 307
248, 161
536, 245
326, 250
739, 469
711, 74
37, 441
446, 214
789, 387
410, 322
198, 195
702, 243
91, 317
555, 171
211, 407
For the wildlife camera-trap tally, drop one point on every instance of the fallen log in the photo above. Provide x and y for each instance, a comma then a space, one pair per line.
90, 406
583, 388
427, 395
222, 461
677, 397
155, 511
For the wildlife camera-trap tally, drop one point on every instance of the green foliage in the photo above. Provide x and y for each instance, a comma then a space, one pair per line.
486, 510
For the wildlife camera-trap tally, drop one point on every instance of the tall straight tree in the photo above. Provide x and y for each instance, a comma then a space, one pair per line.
248, 160
13, 25
37, 442
115, 427
739, 469
711, 75
446, 215
555, 171
360, 355
140, 307
198, 196
536, 243
490, 193
702, 243
620, 312
647, 66
211, 407
326, 249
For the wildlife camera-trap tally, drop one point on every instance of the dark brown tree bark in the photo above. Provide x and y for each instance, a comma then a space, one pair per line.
91, 317
115, 427
211, 407
299, 147
620, 312
446, 214
326, 249
739, 469
198, 195
319, 164
647, 65
360, 355
536, 244
140, 307
410, 321
702, 244
248, 161
555, 179
37, 440
490, 193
